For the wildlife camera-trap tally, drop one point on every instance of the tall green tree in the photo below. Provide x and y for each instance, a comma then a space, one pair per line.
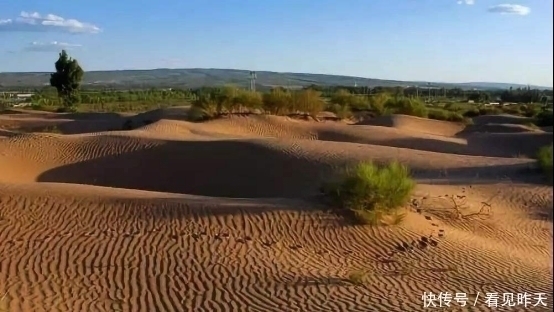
67, 79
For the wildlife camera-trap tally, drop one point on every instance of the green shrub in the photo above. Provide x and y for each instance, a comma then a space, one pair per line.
378, 102
205, 106
196, 114
530, 110
471, 113
352, 101
441, 114
307, 101
277, 101
407, 106
438, 114
545, 119
247, 99
544, 159
342, 112
360, 103
371, 191
513, 110
342, 98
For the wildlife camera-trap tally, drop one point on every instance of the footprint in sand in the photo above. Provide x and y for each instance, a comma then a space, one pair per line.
295, 247
221, 235
269, 243
244, 239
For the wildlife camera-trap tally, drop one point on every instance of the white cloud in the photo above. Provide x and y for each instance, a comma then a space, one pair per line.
514, 9
468, 2
34, 22
53, 46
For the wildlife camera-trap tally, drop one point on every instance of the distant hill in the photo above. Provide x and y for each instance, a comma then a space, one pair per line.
198, 77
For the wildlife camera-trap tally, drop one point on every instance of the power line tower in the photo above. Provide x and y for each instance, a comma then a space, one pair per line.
429, 87
252, 78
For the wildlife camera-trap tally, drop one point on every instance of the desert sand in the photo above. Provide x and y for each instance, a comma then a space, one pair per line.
225, 215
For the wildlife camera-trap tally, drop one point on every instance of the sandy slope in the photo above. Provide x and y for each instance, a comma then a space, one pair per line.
118, 221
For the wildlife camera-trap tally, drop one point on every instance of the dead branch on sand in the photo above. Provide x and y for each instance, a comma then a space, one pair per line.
456, 209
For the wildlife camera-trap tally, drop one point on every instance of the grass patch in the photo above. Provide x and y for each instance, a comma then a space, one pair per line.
370, 192
442, 114
341, 111
544, 159
52, 129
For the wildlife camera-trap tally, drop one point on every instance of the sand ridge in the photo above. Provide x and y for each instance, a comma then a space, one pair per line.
223, 216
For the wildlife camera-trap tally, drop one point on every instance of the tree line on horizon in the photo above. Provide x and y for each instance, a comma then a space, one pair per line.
68, 75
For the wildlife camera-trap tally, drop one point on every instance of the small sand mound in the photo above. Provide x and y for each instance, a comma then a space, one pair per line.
416, 124
509, 144
288, 128
167, 127
229, 168
501, 119
90, 116
29, 123
66, 123
497, 128
261, 126
173, 113
174, 130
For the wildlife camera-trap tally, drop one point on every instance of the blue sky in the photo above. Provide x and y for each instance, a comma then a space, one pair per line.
426, 40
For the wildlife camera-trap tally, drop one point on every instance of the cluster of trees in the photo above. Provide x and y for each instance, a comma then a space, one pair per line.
46, 97
519, 95
524, 95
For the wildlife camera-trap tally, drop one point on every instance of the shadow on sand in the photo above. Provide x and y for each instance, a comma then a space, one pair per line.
240, 169
219, 168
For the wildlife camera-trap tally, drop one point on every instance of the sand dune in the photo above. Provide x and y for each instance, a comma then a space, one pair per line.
510, 144
223, 216
499, 128
501, 119
417, 124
